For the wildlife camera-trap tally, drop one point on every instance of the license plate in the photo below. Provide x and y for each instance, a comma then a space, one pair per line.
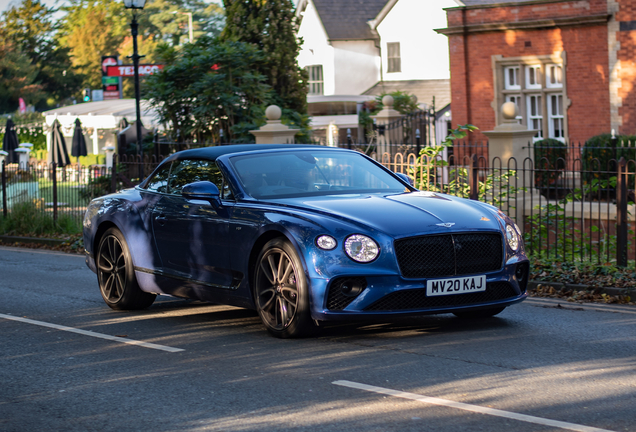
461, 285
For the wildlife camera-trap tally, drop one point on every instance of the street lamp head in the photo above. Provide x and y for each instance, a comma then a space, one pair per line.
134, 4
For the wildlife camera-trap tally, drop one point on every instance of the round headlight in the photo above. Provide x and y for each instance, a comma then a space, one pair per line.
361, 248
512, 237
326, 242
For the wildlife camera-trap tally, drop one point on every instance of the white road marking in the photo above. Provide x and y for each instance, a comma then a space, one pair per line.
93, 334
468, 407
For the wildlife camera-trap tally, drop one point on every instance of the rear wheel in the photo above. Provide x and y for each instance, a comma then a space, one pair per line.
480, 313
116, 275
280, 291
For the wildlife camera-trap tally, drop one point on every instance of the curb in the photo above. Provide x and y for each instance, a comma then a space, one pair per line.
32, 240
613, 291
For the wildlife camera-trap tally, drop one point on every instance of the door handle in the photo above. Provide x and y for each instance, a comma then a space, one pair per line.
161, 219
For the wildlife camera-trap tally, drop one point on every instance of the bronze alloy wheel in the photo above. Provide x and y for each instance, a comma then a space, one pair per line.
116, 275
280, 290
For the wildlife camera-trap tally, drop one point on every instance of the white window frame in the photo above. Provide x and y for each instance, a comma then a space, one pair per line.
512, 85
555, 117
535, 117
554, 70
315, 86
505, 91
533, 70
394, 57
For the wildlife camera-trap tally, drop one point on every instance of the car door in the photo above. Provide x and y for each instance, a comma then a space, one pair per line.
192, 236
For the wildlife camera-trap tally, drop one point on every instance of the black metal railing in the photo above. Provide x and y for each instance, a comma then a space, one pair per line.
578, 211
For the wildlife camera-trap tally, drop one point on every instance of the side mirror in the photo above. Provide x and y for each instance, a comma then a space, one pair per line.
203, 190
406, 179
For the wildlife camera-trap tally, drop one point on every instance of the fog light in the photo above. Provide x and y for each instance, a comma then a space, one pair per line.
353, 287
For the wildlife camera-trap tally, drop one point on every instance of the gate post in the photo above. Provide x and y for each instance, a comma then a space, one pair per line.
621, 213
473, 178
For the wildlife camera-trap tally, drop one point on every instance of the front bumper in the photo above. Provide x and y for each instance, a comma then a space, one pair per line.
394, 296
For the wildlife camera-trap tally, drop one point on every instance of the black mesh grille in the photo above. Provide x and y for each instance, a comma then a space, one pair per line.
416, 298
449, 254
336, 299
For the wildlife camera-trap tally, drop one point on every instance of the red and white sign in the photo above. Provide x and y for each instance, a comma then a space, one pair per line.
108, 95
108, 61
129, 70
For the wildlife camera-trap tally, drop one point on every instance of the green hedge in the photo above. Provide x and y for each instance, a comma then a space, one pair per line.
599, 156
549, 161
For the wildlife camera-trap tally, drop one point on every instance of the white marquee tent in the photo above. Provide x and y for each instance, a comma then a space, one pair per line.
100, 120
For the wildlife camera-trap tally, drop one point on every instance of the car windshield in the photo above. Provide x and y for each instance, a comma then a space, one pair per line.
308, 172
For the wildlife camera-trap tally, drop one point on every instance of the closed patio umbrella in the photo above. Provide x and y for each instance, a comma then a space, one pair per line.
58, 153
10, 142
78, 147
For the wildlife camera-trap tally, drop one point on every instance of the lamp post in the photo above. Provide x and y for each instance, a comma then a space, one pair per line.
136, 5
190, 32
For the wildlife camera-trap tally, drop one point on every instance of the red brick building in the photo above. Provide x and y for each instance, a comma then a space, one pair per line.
569, 65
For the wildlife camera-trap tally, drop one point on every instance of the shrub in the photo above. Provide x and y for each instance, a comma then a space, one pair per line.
599, 156
29, 219
549, 162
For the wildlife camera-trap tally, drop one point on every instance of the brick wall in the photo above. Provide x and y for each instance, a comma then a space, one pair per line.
586, 71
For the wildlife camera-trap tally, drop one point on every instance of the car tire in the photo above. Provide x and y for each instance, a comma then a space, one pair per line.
280, 291
116, 274
480, 313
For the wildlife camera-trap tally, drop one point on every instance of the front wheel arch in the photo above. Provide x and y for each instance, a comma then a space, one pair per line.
101, 230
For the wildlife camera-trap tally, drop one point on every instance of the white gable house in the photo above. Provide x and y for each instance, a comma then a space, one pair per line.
349, 46
365, 48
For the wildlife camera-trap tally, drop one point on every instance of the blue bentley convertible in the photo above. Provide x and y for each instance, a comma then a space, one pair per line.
302, 234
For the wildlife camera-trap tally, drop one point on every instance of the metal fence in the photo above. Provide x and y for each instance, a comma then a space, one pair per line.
570, 214
53, 190
580, 210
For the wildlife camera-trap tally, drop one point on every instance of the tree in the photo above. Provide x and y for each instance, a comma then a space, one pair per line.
91, 29
207, 87
17, 78
165, 19
28, 32
271, 26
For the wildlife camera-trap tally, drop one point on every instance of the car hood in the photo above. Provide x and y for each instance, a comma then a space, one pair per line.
407, 214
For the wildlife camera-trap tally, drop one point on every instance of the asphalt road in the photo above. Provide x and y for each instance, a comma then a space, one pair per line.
190, 366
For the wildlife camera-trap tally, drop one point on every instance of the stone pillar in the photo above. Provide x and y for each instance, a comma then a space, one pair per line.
274, 132
382, 120
23, 157
512, 140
